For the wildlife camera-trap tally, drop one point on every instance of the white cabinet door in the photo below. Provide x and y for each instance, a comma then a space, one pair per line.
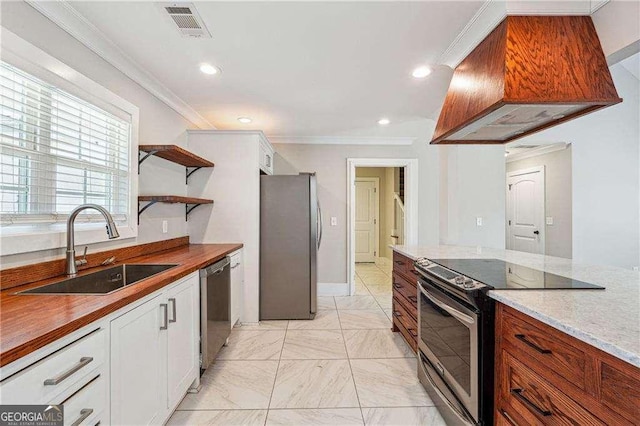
237, 284
138, 365
183, 338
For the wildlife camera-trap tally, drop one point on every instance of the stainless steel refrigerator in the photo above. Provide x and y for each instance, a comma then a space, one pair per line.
290, 236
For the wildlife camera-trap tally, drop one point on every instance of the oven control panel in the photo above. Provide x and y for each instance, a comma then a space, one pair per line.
452, 277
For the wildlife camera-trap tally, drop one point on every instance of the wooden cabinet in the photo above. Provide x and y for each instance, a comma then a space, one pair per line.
154, 354
405, 299
544, 376
237, 285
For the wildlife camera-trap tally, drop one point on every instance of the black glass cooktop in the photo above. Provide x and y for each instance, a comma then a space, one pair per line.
502, 275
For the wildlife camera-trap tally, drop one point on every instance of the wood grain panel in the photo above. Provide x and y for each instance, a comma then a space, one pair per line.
555, 59
20, 275
477, 86
528, 60
407, 295
30, 322
609, 388
405, 324
173, 199
177, 155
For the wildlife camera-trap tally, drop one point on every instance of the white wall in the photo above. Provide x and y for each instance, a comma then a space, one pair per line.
606, 177
330, 164
234, 185
557, 175
472, 185
159, 124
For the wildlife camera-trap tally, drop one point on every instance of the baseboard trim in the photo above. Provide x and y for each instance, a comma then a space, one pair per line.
333, 289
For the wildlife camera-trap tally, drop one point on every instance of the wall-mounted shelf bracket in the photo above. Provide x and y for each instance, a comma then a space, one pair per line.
146, 206
142, 157
189, 171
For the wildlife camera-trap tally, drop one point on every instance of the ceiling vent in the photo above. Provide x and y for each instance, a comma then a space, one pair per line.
187, 19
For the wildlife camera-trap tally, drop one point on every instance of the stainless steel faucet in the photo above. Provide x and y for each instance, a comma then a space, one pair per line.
112, 232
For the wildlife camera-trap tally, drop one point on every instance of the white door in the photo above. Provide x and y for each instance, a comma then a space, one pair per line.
525, 210
366, 219
138, 366
183, 345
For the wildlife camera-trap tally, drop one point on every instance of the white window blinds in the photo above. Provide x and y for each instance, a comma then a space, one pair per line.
57, 152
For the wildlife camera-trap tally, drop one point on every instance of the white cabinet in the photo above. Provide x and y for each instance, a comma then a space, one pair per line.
237, 286
154, 355
183, 339
138, 369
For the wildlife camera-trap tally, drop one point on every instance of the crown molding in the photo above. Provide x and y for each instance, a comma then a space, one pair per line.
64, 15
492, 12
342, 140
534, 152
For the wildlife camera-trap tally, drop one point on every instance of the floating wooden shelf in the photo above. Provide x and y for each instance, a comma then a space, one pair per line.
190, 203
177, 155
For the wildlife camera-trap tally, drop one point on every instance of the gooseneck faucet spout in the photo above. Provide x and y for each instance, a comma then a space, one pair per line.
112, 232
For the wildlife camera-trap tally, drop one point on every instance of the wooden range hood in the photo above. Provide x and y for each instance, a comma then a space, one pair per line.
530, 73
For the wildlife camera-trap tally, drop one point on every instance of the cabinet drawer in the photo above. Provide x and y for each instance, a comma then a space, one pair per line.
408, 337
401, 263
536, 401
558, 357
402, 316
44, 380
87, 404
407, 294
620, 390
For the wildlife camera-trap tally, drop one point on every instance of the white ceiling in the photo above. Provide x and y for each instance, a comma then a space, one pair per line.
297, 68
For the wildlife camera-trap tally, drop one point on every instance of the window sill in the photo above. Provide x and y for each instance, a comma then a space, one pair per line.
31, 238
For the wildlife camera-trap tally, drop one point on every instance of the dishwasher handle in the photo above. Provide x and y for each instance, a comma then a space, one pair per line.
216, 268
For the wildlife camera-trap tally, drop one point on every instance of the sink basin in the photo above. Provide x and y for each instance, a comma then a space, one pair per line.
102, 282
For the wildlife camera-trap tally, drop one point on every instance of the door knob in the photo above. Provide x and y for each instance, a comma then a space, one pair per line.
536, 232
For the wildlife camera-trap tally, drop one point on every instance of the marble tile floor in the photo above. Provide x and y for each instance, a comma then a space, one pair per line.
345, 367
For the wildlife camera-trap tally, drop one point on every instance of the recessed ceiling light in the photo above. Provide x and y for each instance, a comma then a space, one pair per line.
209, 69
244, 120
421, 72
384, 121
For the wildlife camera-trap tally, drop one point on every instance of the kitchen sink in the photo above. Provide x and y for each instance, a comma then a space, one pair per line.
102, 282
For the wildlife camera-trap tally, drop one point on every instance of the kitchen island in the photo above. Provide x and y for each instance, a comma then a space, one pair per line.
570, 354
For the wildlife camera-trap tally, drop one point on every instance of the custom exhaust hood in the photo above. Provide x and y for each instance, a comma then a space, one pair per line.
528, 74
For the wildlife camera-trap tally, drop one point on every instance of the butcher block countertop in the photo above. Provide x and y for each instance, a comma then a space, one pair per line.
30, 322
607, 319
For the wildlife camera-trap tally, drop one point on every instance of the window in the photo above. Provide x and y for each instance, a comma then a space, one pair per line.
58, 151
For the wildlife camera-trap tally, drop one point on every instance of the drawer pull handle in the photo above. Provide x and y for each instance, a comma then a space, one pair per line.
165, 316
414, 272
83, 362
397, 285
84, 413
508, 417
414, 299
172, 301
518, 393
397, 314
412, 332
524, 339
399, 262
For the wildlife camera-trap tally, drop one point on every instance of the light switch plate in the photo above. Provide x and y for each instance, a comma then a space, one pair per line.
334, 221
549, 220
478, 221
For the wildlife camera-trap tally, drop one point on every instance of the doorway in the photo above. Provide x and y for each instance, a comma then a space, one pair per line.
525, 210
382, 210
367, 226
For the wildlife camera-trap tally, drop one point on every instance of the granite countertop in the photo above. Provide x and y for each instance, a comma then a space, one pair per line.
607, 319
28, 323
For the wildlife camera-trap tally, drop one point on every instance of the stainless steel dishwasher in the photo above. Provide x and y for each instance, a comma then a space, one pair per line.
215, 314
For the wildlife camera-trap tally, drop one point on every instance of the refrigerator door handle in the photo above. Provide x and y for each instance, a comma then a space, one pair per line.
319, 225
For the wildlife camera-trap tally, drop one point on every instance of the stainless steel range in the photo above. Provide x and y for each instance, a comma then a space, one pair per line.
456, 330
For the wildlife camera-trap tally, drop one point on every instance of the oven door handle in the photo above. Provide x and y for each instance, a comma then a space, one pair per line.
454, 312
